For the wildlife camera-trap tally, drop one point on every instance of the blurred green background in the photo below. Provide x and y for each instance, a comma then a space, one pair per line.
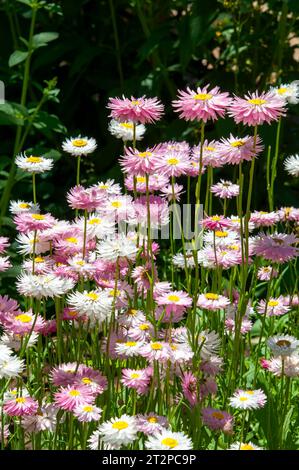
81, 52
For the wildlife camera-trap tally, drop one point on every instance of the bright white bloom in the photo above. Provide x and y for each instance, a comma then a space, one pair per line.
87, 412
11, 367
291, 165
209, 342
248, 399
222, 237
5, 352
33, 164
96, 226
243, 446
168, 440
96, 304
119, 431
26, 241
120, 247
289, 92
109, 187
94, 442
4, 263
124, 130
179, 260
46, 285
129, 348
16, 207
290, 366
15, 341
131, 318
283, 345
78, 146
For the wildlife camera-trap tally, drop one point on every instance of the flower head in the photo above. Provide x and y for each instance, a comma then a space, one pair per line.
78, 146
137, 110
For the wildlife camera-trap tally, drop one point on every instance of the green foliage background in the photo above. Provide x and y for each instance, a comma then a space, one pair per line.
94, 49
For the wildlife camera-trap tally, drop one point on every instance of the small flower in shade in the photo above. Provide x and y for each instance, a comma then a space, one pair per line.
291, 165
277, 247
156, 351
288, 91
78, 146
209, 343
16, 207
248, 399
265, 273
168, 440
225, 189
256, 109
137, 110
235, 150
125, 130
274, 307
4, 433
202, 104
45, 419
20, 406
288, 366
119, 431
4, 263
151, 424
217, 420
87, 412
283, 345
4, 244
135, 162
288, 214
243, 446
216, 222
70, 397
210, 301
138, 379
264, 219
189, 386
33, 164
172, 193
179, 260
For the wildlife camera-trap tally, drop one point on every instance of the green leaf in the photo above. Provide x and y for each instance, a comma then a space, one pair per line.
42, 39
46, 122
286, 423
12, 114
17, 57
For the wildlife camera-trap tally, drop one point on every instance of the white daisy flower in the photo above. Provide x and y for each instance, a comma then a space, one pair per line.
15, 341
4, 263
16, 207
131, 318
168, 440
242, 446
120, 247
5, 352
248, 399
119, 431
33, 164
94, 442
12, 393
96, 226
124, 130
283, 345
78, 146
288, 91
289, 365
109, 187
46, 285
26, 242
129, 348
87, 412
291, 165
82, 267
44, 420
12, 367
209, 342
179, 261
222, 237
95, 304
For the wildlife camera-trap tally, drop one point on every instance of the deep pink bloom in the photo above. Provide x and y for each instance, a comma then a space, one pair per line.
202, 104
235, 150
265, 219
20, 406
216, 222
135, 162
85, 198
138, 379
29, 222
256, 109
144, 110
217, 420
68, 398
189, 386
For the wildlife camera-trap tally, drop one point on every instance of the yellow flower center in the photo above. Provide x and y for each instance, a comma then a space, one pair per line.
74, 393
202, 96
38, 259
218, 415
92, 295
238, 143
80, 262
71, 239
152, 419
210, 149
37, 216
24, 318
115, 293
246, 447
103, 186
283, 342
140, 179
79, 142
143, 327
249, 392
24, 205
211, 296
243, 398
72, 313
127, 125
273, 303
34, 159
173, 298
86, 380
135, 102
233, 247
156, 346
119, 425
172, 161
221, 234
169, 442
144, 154
116, 204
94, 221
282, 90
20, 400
87, 408
257, 101
135, 375
130, 344
132, 312
215, 218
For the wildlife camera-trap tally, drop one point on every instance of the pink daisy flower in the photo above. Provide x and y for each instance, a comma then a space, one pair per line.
156, 351
265, 219
210, 301
175, 301
141, 331
135, 162
288, 214
88, 199
225, 189
256, 109
4, 263
21, 323
20, 406
143, 110
7, 304
4, 244
266, 272
216, 222
202, 104
138, 379
277, 247
70, 397
29, 222
235, 150
86, 412
274, 307
211, 155
155, 183
172, 193
173, 163
151, 424
189, 386
217, 420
